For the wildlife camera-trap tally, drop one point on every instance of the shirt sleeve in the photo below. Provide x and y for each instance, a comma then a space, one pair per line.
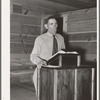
34, 57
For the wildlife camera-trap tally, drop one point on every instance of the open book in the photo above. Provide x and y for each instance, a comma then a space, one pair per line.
63, 52
62, 58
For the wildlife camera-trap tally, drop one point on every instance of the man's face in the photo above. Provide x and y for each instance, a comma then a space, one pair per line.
52, 26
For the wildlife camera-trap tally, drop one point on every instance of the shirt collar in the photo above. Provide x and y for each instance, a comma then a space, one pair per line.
51, 34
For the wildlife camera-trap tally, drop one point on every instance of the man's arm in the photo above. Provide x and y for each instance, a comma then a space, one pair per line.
35, 55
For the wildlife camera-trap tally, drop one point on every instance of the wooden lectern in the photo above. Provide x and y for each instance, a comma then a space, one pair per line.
63, 59
68, 81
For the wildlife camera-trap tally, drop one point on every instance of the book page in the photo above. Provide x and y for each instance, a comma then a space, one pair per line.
63, 52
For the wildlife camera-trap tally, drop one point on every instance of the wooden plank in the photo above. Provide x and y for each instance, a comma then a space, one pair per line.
84, 25
75, 86
46, 84
34, 8
77, 4
21, 67
17, 8
29, 39
86, 47
30, 20
22, 92
93, 89
32, 30
16, 38
91, 57
47, 4
21, 48
65, 84
28, 48
25, 19
22, 38
18, 58
16, 27
82, 32
17, 48
84, 84
55, 84
89, 13
39, 9
84, 36
26, 77
20, 62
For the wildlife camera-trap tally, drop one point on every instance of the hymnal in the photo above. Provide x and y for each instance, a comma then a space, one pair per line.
64, 59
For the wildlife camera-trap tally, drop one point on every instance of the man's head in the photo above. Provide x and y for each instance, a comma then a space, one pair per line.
51, 25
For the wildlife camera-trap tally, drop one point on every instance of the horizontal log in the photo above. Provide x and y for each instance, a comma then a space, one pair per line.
84, 47
22, 38
17, 57
29, 13
16, 38
25, 19
32, 25
32, 30
16, 48
21, 67
20, 62
82, 14
16, 27
82, 32
21, 48
28, 48
90, 57
29, 39
21, 76
84, 25
84, 36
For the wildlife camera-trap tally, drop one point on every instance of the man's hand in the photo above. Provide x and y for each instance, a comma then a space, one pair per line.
41, 63
44, 63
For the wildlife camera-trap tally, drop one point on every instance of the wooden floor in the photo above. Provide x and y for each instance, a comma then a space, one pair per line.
22, 91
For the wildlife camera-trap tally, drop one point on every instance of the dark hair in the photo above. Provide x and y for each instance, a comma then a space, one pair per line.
51, 17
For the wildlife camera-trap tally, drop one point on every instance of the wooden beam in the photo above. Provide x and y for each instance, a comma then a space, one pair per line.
73, 3
32, 6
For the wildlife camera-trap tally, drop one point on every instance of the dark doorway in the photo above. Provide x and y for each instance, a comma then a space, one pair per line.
60, 25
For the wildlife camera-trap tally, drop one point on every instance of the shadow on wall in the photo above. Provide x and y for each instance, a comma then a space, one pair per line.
80, 50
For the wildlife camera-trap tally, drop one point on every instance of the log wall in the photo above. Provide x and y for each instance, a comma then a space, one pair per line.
24, 28
80, 31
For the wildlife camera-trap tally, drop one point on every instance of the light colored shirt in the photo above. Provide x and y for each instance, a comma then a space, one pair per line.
44, 45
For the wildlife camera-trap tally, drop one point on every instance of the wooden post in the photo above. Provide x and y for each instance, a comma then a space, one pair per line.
75, 91
78, 60
93, 84
55, 84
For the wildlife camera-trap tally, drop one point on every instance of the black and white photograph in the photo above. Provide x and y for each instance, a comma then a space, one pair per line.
51, 48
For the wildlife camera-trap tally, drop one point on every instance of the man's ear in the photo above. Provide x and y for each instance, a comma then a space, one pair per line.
46, 26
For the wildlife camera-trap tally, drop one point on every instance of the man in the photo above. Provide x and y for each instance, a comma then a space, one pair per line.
44, 46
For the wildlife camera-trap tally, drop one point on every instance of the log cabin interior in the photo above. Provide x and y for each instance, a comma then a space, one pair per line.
77, 22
